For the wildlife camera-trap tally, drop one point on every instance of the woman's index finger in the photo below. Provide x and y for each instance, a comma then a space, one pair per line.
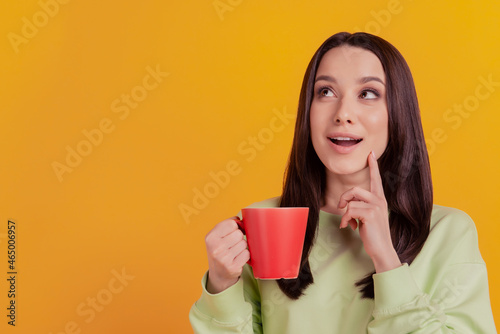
376, 186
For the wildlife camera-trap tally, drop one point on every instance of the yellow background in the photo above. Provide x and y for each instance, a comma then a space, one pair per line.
228, 74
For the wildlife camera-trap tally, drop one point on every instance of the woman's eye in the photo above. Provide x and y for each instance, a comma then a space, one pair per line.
368, 95
325, 92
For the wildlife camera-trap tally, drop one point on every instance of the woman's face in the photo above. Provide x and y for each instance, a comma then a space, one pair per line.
349, 109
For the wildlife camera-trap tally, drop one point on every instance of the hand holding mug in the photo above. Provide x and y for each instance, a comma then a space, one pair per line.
227, 254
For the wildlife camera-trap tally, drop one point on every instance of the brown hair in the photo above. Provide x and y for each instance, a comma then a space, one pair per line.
404, 165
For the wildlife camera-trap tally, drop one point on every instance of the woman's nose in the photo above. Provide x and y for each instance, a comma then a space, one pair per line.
344, 113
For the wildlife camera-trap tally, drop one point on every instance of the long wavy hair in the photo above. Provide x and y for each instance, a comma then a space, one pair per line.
404, 165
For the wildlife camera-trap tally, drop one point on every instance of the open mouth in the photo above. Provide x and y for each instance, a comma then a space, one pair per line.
345, 141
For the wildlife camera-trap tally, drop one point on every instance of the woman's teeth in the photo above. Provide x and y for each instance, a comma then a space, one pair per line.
345, 141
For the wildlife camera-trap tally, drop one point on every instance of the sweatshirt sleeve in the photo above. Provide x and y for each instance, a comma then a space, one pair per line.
453, 294
234, 310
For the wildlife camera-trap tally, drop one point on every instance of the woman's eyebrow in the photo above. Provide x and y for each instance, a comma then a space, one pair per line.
361, 80
371, 78
326, 78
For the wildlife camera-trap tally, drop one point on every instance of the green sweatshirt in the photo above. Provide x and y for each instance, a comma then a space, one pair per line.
445, 290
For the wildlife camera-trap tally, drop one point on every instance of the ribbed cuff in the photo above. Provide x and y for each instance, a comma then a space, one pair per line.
394, 288
227, 306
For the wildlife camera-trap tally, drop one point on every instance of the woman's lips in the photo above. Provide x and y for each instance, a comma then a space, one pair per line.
344, 144
345, 141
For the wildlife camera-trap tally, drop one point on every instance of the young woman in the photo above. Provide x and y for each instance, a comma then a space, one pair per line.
358, 160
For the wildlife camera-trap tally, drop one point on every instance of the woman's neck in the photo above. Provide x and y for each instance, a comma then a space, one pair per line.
336, 185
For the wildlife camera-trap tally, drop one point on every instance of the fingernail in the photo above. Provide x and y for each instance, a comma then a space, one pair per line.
373, 155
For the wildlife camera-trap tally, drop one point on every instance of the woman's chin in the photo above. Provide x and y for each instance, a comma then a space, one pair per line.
346, 170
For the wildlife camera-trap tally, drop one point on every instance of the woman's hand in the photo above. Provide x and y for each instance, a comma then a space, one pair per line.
227, 254
370, 209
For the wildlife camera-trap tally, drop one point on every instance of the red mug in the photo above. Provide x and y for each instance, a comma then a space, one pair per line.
275, 238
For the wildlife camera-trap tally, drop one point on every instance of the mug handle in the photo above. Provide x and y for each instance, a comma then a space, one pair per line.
241, 226
240, 223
